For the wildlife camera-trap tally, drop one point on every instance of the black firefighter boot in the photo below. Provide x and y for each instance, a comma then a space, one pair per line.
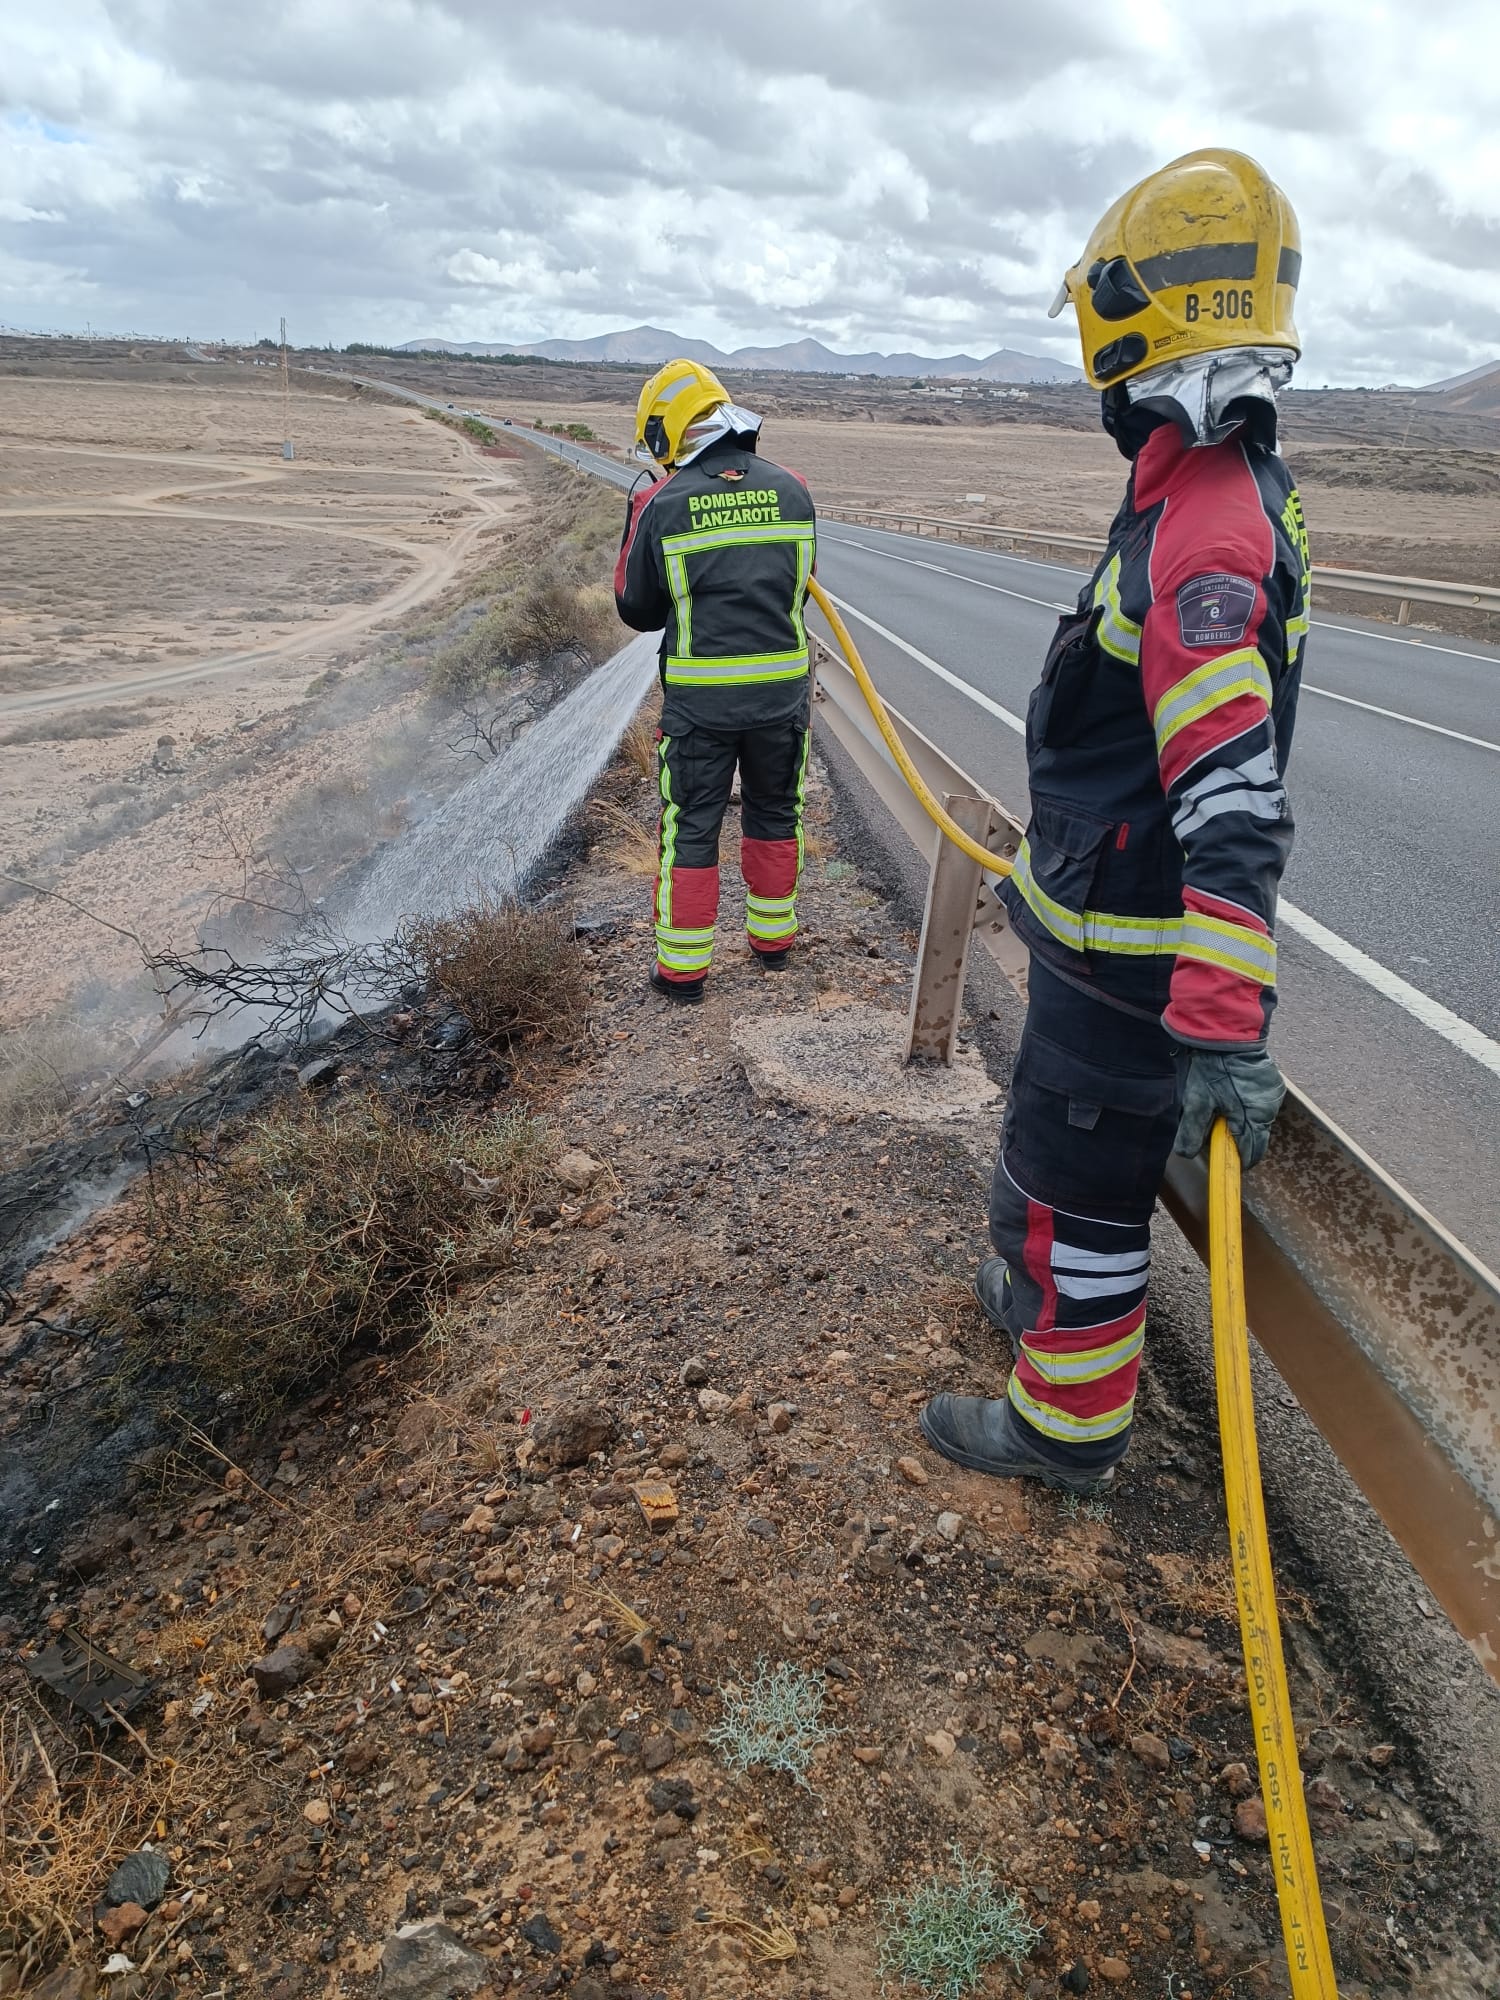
988, 1437
686, 992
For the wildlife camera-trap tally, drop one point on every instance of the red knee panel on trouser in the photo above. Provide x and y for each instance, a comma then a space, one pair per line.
685, 917
770, 869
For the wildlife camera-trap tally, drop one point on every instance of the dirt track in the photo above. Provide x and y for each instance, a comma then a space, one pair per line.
425, 564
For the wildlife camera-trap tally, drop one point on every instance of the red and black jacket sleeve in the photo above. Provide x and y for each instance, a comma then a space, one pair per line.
1212, 642
641, 595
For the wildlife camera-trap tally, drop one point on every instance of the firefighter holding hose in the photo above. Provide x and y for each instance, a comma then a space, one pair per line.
1157, 743
719, 553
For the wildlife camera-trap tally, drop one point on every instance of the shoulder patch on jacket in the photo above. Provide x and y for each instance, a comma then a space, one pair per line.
1215, 610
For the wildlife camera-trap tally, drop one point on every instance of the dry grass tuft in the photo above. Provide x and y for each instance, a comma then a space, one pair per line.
514, 973
64, 1823
632, 846
314, 1234
638, 749
767, 1944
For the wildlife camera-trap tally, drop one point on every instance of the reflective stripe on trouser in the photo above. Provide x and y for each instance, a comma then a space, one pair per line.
696, 770
1088, 1129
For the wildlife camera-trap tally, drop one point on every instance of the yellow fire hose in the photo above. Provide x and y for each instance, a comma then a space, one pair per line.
1302, 1922
993, 864
1292, 1860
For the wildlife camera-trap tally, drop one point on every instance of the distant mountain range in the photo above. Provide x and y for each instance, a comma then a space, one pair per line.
649, 346
1476, 392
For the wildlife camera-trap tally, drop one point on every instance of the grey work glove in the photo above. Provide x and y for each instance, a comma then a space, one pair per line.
1245, 1086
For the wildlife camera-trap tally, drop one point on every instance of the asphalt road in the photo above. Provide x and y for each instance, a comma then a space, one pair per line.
1389, 930
1390, 901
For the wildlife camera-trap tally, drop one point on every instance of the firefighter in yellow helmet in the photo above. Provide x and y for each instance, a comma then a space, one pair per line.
718, 553
1157, 743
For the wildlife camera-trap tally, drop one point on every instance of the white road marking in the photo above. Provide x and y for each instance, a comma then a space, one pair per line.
937, 569
1415, 721
1462, 1034
1393, 714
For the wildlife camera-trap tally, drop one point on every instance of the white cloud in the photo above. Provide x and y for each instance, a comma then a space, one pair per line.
879, 173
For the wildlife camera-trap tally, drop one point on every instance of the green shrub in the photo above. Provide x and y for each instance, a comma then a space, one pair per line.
943, 1936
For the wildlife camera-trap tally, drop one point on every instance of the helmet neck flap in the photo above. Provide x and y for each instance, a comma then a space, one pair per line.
1207, 396
724, 420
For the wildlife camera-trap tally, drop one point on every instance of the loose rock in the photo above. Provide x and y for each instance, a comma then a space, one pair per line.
140, 1878
572, 1434
1151, 1751
429, 1961
912, 1471
122, 1922
279, 1672
577, 1170
1250, 1818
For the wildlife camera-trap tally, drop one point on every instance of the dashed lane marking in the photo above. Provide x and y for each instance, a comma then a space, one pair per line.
1432, 1014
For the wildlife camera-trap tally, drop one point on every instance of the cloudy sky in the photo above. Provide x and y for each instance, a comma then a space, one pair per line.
879, 173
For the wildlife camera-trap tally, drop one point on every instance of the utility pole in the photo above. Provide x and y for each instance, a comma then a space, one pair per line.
286, 399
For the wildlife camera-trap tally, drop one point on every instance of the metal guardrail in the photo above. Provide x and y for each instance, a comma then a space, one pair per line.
1383, 1325
1407, 590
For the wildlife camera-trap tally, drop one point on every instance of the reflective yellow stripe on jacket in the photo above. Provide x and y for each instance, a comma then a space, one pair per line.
1214, 940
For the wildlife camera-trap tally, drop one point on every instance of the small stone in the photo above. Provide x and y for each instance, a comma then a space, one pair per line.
657, 1753
1322, 1797
942, 1745
848, 1896
779, 1416
912, 1471
279, 1672
585, 1684
319, 1073
1237, 1781
1380, 1756
480, 1521
429, 1961
1010, 1739
421, 1706
713, 1402
317, 1812
1115, 1970
1151, 1751
1089, 1911
950, 1526
537, 1742
693, 1372
1250, 1818
140, 1878
121, 1922
577, 1171
1076, 1979
673, 1457
541, 1934
868, 1753
433, 1520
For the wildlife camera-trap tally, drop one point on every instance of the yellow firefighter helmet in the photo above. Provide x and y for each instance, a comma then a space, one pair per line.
677, 393
1204, 254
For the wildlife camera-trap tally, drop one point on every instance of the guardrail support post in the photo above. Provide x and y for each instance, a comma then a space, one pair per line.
947, 926
1403, 612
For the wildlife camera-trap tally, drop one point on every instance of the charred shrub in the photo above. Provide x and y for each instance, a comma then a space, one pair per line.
311, 1234
515, 974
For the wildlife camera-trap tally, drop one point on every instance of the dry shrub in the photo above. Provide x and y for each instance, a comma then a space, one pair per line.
42, 1068
514, 973
546, 622
312, 1234
77, 725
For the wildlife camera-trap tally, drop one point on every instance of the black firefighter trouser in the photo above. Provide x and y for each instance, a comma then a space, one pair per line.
696, 770
1089, 1124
